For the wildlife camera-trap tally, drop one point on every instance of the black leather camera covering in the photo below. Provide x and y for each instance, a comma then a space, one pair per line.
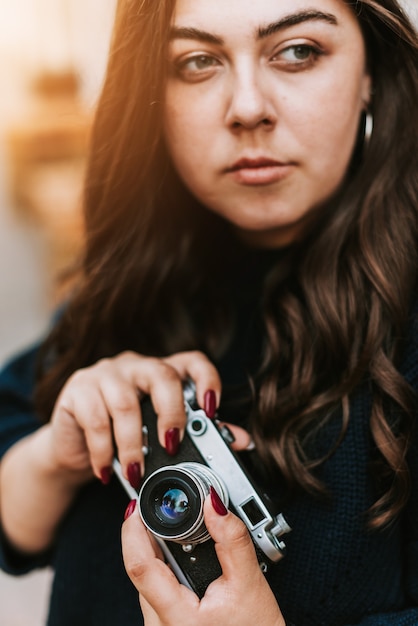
201, 566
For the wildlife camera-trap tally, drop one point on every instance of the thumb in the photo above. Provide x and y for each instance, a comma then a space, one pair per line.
234, 547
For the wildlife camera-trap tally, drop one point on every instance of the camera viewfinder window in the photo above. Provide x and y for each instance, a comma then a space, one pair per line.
253, 512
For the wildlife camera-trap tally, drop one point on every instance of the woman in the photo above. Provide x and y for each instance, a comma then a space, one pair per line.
251, 223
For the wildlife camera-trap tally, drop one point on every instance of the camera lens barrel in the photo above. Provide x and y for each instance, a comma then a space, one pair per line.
171, 501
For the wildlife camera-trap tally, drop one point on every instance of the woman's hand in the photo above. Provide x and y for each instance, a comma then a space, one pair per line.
239, 597
99, 407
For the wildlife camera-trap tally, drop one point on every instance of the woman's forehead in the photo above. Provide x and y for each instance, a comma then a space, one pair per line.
247, 19
248, 10
238, 22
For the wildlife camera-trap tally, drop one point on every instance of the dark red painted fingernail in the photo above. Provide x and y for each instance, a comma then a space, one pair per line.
106, 475
130, 509
134, 475
217, 503
172, 441
210, 404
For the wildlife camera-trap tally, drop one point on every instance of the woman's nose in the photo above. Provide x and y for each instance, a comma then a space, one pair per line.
250, 104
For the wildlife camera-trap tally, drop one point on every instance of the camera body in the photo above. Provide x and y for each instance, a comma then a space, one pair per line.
171, 498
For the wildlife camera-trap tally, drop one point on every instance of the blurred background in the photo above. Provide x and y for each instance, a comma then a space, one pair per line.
52, 59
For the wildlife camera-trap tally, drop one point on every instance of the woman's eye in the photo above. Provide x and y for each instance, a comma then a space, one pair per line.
298, 55
201, 62
196, 66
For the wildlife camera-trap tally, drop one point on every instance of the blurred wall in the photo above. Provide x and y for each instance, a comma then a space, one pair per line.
37, 36
51, 34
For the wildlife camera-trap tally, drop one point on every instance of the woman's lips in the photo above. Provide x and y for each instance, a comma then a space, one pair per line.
261, 171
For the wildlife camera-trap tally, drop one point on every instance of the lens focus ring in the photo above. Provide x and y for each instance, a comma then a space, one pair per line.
171, 501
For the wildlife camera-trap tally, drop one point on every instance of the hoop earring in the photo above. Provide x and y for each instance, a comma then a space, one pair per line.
368, 128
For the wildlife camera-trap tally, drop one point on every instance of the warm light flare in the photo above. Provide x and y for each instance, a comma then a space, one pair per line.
38, 36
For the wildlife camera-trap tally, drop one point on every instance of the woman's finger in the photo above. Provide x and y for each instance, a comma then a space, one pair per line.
123, 405
163, 379
162, 382
150, 616
83, 403
234, 547
153, 579
242, 438
242, 581
196, 365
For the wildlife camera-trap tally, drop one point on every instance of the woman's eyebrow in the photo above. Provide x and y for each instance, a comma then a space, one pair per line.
185, 32
296, 18
181, 32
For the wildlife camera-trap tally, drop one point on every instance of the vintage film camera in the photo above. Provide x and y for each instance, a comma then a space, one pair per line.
174, 489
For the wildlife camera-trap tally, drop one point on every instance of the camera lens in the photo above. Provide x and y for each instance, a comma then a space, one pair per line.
171, 501
174, 505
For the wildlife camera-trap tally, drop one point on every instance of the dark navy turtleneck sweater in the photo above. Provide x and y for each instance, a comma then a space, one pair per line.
336, 571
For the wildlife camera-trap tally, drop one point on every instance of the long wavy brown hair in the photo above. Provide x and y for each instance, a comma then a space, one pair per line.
335, 311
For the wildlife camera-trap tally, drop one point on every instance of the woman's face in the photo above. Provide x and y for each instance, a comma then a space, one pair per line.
263, 102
